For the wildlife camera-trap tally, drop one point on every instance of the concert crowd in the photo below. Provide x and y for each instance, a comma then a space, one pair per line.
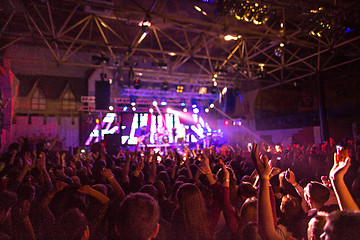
259, 191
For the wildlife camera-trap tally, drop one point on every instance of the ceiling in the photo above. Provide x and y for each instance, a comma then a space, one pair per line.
186, 45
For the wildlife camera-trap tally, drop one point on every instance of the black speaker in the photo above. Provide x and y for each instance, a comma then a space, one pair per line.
229, 101
102, 95
112, 143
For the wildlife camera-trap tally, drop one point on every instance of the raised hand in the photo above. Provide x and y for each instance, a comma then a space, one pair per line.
106, 173
274, 171
290, 177
59, 185
261, 163
226, 182
27, 160
341, 164
205, 165
42, 158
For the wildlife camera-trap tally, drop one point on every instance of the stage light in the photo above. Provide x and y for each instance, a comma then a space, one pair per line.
196, 110
132, 100
136, 83
184, 109
169, 110
182, 102
134, 109
206, 110
282, 44
151, 110
212, 105
193, 102
125, 108
240, 123
229, 38
111, 108
233, 123
223, 92
97, 121
154, 103
180, 89
142, 37
226, 122
202, 90
163, 102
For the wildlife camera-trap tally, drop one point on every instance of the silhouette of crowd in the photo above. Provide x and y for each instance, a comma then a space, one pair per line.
259, 191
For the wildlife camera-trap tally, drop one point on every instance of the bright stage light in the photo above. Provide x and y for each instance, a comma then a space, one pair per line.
182, 102
111, 108
154, 103
184, 109
196, 110
163, 102
151, 110
206, 110
125, 108
169, 110
212, 105
134, 109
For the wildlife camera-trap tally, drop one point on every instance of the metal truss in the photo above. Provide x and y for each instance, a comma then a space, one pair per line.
190, 44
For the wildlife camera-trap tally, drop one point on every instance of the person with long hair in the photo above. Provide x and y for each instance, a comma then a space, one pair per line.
189, 219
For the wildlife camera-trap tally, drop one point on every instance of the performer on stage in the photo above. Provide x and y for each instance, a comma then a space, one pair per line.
141, 134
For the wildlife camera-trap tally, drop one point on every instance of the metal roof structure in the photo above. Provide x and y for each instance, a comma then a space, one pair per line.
273, 42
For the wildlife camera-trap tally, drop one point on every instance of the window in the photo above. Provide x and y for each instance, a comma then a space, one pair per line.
38, 101
68, 102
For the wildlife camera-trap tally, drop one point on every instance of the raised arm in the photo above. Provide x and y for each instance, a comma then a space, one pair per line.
337, 173
229, 211
205, 169
126, 168
265, 217
290, 177
94, 193
187, 160
116, 186
152, 176
58, 186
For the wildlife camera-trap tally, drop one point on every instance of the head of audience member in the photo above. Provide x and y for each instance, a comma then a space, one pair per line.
316, 226
164, 177
248, 211
291, 207
151, 190
342, 225
191, 217
246, 190
250, 231
138, 217
13, 148
72, 225
160, 187
26, 191
316, 194
174, 190
232, 185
